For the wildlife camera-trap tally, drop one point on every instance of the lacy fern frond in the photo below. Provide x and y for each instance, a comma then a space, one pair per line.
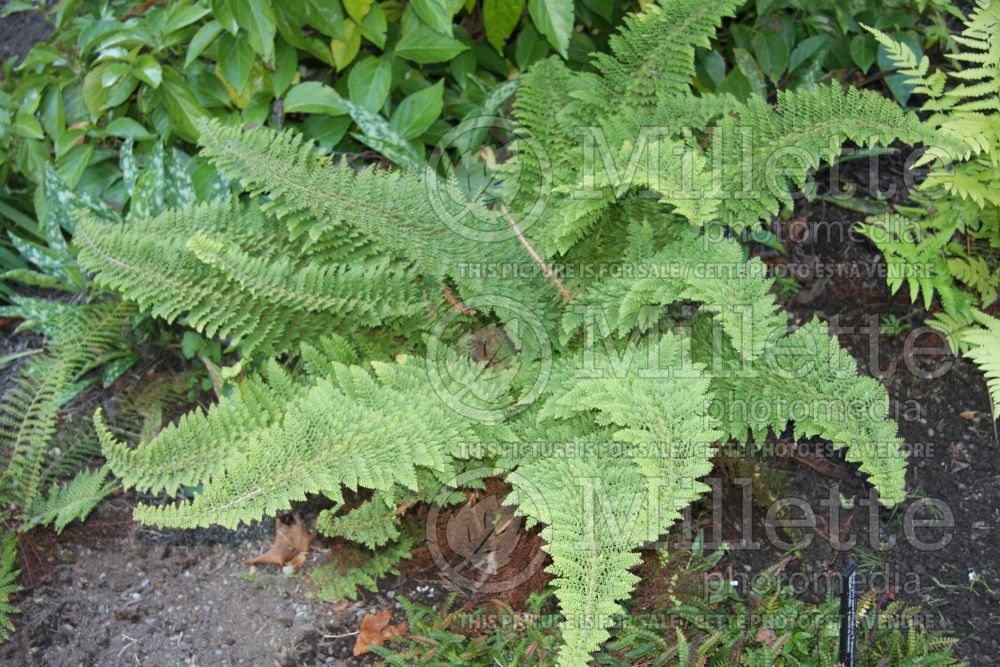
198, 446
351, 569
983, 345
391, 208
374, 523
946, 245
653, 56
399, 213
686, 266
807, 379
591, 554
377, 437
226, 271
30, 409
761, 146
72, 500
8, 585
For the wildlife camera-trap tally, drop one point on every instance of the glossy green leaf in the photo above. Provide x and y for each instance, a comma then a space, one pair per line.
27, 126
181, 103
529, 48
357, 9
554, 19
236, 63
864, 50
257, 18
423, 45
435, 13
202, 40
182, 15
418, 111
129, 128
772, 53
749, 68
806, 50
345, 50
501, 18
326, 130
148, 70
369, 81
287, 58
377, 133
73, 164
223, 12
314, 97
374, 26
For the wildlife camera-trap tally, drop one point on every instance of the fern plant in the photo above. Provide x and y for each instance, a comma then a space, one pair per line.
393, 402
948, 243
8, 584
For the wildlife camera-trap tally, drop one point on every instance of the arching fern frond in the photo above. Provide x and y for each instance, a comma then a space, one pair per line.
236, 278
983, 345
377, 437
762, 146
30, 408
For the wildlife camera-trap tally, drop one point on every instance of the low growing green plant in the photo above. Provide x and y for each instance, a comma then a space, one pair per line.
788, 44
650, 365
393, 72
948, 243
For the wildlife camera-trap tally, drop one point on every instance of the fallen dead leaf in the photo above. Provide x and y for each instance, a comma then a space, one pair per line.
376, 630
766, 636
291, 542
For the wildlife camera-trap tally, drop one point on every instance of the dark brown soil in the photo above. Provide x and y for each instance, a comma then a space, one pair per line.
945, 421
109, 592
19, 32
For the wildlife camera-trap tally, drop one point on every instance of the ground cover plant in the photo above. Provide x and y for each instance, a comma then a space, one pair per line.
953, 228
358, 251
390, 296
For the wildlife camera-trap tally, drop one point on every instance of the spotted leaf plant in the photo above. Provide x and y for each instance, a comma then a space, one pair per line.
389, 346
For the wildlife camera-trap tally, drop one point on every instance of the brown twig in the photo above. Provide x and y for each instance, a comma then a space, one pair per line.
148, 4
457, 305
546, 269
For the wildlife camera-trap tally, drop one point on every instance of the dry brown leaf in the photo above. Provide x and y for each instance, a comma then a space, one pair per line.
376, 630
766, 636
290, 543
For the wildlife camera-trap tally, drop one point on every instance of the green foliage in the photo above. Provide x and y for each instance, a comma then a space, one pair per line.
78, 337
382, 74
440, 636
73, 500
383, 430
8, 587
351, 569
947, 244
796, 44
982, 345
641, 361
769, 626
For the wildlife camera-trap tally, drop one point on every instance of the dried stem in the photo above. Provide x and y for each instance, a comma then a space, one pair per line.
546, 269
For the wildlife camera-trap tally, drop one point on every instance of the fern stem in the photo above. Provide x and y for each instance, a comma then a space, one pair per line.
546, 269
